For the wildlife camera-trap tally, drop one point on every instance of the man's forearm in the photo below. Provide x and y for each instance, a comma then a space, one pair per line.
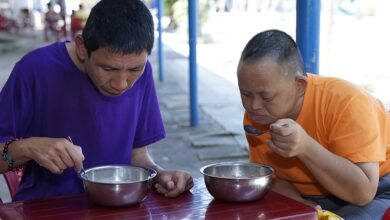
141, 157
342, 178
285, 188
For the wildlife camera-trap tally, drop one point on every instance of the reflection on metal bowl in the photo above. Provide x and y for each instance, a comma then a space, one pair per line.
117, 185
237, 181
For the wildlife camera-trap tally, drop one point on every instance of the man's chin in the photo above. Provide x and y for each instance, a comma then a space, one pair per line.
110, 94
263, 122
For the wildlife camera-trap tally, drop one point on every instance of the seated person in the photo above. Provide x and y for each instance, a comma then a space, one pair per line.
98, 90
327, 139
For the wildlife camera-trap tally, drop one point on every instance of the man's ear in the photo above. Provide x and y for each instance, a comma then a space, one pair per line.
301, 83
81, 51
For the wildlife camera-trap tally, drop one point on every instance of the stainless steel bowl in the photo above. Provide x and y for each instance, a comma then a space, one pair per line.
237, 181
117, 185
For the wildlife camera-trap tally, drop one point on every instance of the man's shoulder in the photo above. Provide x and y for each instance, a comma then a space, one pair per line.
335, 94
41, 55
40, 61
148, 73
333, 84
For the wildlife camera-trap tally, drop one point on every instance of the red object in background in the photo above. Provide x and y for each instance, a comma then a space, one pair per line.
386, 216
2, 23
7, 24
197, 204
76, 26
12, 179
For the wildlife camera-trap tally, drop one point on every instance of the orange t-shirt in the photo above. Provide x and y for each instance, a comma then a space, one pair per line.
341, 117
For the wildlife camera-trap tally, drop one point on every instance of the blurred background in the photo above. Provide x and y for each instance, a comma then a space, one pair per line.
353, 37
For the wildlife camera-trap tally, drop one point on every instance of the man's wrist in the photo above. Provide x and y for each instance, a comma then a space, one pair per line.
7, 156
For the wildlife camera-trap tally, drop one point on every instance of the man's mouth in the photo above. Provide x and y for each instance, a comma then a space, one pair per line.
112, 93
259, 117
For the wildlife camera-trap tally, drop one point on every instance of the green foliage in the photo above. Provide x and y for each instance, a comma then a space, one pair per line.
168, 5
177, 10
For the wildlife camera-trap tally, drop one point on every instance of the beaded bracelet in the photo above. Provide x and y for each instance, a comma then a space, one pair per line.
7, 157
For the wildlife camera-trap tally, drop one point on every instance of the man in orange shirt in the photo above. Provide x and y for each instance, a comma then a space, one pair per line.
328, 140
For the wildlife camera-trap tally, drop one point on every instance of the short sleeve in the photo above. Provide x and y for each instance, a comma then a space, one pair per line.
357, 132
150, 127
16, 105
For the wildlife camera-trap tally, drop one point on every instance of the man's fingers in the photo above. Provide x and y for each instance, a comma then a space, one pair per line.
189, 185
282, 127
174, 184
51, 166
160, 188
184, 183
67, 160
170, 185
168, 192
77, 157
277, 149
59, 163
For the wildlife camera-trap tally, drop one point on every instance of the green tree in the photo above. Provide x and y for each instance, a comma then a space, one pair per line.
177, 11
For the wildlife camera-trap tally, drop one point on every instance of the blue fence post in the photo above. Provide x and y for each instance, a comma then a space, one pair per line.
192, 24
308, 33
160, 11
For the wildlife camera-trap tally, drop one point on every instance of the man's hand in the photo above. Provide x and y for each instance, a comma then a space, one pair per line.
353, 182
55, 154
172, 183
288, 138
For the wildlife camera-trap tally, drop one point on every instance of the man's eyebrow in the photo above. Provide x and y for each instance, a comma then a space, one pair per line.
137, 67
262, 93
106, 66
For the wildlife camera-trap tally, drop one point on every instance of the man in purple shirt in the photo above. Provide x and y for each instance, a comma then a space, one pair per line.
99, 91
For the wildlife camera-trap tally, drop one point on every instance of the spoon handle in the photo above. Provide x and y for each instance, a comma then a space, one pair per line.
82, 171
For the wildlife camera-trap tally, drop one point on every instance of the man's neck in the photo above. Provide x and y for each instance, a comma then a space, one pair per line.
71, 48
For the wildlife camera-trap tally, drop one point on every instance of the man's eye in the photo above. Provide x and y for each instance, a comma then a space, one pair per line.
267, 99
107, 69
135, 70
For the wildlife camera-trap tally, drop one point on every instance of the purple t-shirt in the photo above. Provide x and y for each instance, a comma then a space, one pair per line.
47, 96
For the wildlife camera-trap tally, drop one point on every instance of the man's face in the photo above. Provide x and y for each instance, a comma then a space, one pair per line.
113, 74
266, 93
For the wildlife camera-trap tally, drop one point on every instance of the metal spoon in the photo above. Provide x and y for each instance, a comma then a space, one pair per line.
82, 171
253, 131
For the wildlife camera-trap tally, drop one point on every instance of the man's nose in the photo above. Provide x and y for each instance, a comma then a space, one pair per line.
257, 103
120, 81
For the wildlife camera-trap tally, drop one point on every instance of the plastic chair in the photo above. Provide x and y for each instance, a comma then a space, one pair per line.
386, 216
12, 179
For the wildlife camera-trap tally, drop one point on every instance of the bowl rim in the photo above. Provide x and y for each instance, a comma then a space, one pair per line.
236, 163
153, 173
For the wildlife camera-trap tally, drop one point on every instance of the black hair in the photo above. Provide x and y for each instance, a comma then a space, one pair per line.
121, 26
278, 45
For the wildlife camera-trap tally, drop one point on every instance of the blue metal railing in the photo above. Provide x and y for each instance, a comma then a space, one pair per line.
308, 33
192, 21
307, 36
160, 11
